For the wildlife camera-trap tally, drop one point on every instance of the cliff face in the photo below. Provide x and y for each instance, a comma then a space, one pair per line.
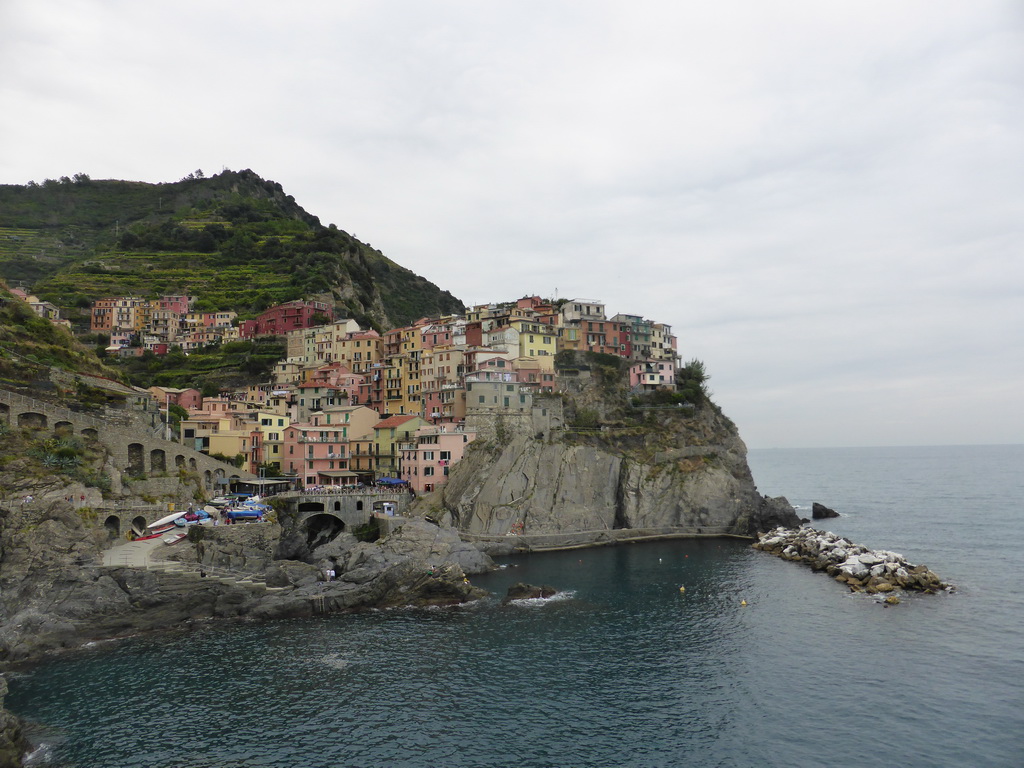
649, 468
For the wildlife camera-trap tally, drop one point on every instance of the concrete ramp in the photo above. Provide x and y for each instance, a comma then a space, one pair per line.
132, 554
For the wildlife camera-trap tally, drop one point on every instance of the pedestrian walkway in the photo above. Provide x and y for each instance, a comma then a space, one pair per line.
132, 554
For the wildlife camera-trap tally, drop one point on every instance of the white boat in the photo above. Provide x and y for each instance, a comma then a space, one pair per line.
165, 520
174, 538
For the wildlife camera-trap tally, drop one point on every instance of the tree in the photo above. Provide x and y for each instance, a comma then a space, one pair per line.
691, 381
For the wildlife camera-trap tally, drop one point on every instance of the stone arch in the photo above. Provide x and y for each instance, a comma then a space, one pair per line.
90, 433
32, 420
63, 426
311, 506
193, 466
359, 506
322, 529
179, 461
139, 525
136, 460
337, 506
157, 460
207, 478
5, 412
113, 526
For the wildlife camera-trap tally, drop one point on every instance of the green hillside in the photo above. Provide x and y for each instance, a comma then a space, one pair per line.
30, 345
235, 240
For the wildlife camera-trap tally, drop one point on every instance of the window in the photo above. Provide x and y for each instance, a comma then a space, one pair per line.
429, 455
428, 471
446, 455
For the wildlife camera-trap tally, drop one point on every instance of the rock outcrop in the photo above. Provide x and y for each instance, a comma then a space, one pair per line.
521, 591
821, 512
655, 469
862, 569
13, 743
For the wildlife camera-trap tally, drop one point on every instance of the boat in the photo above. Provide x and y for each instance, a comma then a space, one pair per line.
244, 513
174, 538
165, 520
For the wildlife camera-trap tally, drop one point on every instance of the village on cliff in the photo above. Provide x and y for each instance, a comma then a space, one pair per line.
349, 406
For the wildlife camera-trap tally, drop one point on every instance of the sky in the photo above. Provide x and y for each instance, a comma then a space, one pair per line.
825, 200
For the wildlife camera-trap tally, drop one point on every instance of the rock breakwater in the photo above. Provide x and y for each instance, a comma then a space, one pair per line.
860, 568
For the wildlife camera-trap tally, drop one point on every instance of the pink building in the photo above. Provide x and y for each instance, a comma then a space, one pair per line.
428, 457
652, 374
317, 454
177, 304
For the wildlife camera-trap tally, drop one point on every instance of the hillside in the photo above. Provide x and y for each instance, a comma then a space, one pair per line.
30, 345
235, 240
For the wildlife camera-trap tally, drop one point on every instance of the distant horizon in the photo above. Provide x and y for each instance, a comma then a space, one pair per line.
872, 447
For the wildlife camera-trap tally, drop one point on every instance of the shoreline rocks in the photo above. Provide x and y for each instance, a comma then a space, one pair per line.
860, 568
521, 591
821, 512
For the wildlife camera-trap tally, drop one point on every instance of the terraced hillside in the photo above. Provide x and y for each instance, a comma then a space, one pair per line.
30, 345
235, 240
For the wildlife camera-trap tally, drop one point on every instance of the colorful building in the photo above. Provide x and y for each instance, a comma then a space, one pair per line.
427, 458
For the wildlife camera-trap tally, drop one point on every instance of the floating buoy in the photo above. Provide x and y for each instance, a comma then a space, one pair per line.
682, 589
743, 602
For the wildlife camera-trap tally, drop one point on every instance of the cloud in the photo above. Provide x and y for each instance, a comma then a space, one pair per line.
824, 200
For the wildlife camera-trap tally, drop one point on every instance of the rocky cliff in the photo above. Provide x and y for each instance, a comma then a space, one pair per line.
636, 464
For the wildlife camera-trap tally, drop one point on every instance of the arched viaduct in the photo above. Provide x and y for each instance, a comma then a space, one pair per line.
329, 514
136, 448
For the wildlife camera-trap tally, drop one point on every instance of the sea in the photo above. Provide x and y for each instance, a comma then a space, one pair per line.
756, 662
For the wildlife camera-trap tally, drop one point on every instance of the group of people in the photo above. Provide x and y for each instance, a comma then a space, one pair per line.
349, 489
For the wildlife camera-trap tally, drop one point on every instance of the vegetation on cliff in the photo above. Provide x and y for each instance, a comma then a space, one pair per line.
209, 369
235, 240
30, 345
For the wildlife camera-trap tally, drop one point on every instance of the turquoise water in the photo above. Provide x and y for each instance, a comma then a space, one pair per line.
622, 669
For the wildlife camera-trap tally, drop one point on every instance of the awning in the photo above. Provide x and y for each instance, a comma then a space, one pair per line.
336, 473
390, 481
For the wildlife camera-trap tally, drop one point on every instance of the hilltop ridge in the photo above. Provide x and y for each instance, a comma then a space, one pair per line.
236, 239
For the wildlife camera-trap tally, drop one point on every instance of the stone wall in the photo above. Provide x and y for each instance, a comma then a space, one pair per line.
546, 415
129, 437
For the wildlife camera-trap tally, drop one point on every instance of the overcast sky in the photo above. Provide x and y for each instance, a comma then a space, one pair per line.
824, 199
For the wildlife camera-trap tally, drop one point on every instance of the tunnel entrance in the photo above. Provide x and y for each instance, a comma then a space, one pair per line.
322, 529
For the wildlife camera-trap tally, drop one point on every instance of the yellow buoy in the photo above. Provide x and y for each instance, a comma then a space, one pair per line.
743, 602
682, 589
